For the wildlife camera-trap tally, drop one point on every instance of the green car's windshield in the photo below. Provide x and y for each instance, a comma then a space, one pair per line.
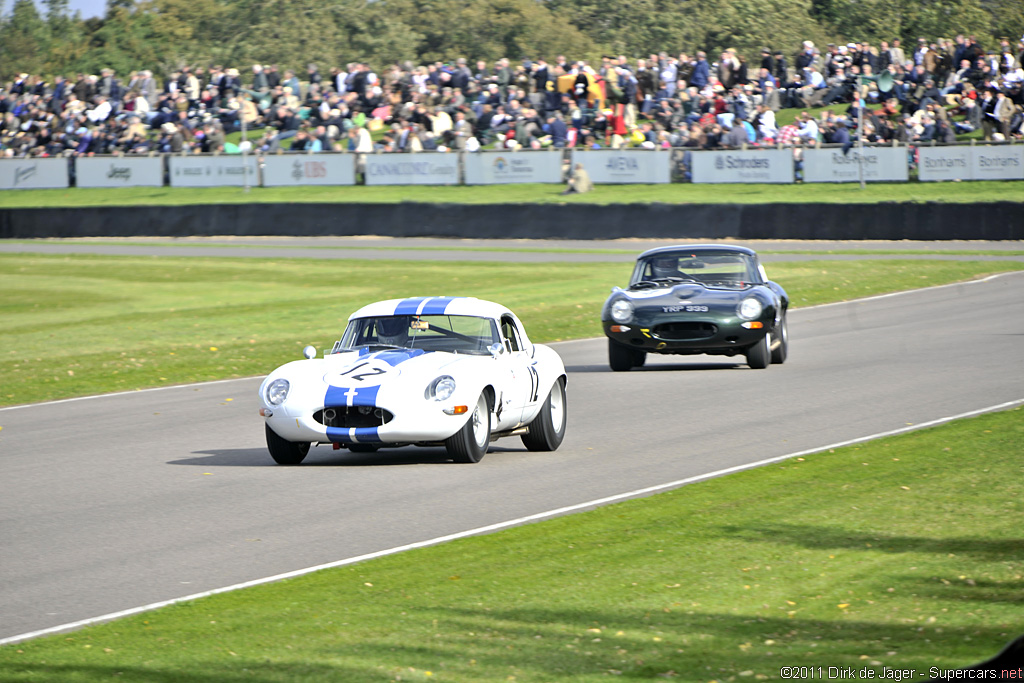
722, 269
453, 333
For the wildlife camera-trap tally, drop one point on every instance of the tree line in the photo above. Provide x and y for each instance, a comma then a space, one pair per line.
165, 35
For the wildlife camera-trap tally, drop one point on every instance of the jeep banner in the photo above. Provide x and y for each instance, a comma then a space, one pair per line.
421, 168
642, 166
880, 164
743, 166
211, 171
309, 169
34, 173
506, 166
110, 171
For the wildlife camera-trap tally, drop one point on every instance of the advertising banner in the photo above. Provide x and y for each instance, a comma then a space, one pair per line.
881, 164
490, 168
743, 166
944, 163
211, 171
309, 169
33, 173
421, 168
137, 171
608, 166
997, 162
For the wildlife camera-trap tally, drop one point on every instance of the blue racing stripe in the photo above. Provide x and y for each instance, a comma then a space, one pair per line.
409, 306
350, 396
437, 305
355, 435
393, 358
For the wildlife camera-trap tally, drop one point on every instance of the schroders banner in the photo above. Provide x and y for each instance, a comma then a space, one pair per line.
743, 166
492, 168
211, 171
880, 164
137, 171
641, 166
309, 169
421, 168
34, 173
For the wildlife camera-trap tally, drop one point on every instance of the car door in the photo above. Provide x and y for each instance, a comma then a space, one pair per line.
519, 390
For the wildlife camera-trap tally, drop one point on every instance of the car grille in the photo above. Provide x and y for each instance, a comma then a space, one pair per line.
684, 330
345, 417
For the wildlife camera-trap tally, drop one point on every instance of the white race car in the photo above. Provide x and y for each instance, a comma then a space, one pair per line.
429, 371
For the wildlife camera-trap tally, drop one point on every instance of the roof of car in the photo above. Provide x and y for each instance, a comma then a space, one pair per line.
696, 247
432, 305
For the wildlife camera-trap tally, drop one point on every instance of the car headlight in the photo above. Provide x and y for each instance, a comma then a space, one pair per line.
622, 311
749, 308
277, 392
441, 388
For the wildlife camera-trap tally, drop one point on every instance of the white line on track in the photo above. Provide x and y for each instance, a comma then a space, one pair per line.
502, 525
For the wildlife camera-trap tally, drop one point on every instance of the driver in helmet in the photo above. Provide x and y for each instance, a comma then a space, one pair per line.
393, 331
664, 266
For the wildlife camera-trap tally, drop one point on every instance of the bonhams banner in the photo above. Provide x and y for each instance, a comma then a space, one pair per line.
138, 171
642, 166
743, 166
880, 164
997, 162
421, 168
34, 173
210, 171
980, 162
490, 168
309, 169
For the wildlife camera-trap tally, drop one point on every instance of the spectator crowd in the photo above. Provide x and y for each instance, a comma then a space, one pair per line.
930, 91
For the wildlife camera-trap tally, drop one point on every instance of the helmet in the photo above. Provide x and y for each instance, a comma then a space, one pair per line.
664, 266
393, 331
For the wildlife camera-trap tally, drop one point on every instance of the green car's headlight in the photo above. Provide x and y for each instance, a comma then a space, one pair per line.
749, 308
622, 311
277, 392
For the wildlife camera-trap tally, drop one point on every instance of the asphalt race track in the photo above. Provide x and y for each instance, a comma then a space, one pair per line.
115, 502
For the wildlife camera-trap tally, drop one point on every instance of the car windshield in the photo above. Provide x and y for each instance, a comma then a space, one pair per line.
719, 269
453, 333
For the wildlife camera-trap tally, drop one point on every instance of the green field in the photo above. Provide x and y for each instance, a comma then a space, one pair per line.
81, 325
903, 553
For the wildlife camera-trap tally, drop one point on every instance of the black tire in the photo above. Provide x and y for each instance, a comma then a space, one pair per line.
622, 358
548, 429
285, 452
470, 443
781, 350
363, 447
759, 355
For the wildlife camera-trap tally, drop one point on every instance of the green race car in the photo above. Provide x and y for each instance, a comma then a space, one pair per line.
694, 299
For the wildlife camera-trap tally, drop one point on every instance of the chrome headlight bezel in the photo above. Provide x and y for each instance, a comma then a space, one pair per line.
442, 388
750, 308
276, 392
622, 310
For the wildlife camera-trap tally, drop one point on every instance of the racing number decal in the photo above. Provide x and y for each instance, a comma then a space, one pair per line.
372, 372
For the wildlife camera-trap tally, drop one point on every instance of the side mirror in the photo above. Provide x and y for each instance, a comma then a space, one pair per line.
309, 352
616, 289
496, 349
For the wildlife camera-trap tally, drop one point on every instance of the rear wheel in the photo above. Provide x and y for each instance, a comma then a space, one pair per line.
759, 355
622, 358
470, 443
780, 342
285, 452
548, 428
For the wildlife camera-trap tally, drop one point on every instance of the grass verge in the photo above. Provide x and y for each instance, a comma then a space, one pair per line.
81, 325
678, 193
903, 553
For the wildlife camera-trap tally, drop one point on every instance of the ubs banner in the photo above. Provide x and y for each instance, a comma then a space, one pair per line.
420, 168
606, 166
203, 171
119, 171
881, 164
743, 166
490, 168
33, 174
309, 169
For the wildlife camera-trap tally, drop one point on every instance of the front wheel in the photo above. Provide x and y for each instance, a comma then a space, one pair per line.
546, 431
622, 358
285, 452
780, 342
759, 355
470, 443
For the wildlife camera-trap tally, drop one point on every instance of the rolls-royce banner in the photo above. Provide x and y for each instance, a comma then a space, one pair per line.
496, 167
944, 163
997, 162
743, 166
137, 171
607, 166
34, 173
421, 168
209, 171
309, 169
881, 164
